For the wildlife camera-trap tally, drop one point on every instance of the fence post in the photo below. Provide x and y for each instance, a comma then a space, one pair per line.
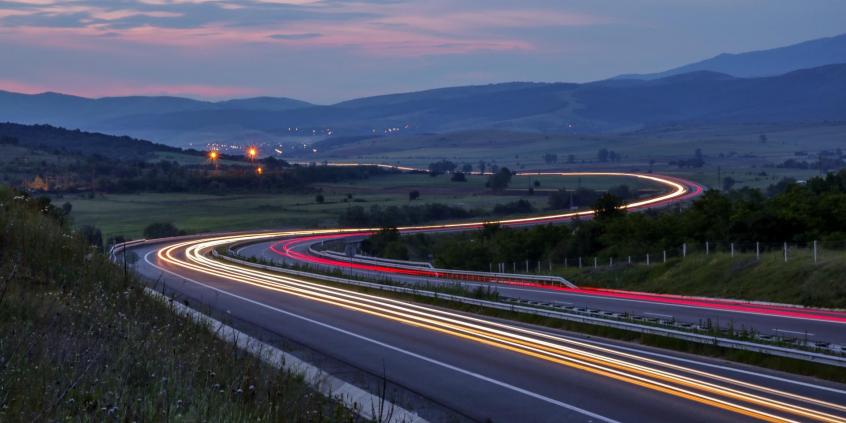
490, 267
785, 252
647, 259
550, 266
565, 262
758, 250
815, 251
732, 249
665, 256
630, 259
610, 261
595, 264
580, 262
527, 265
684, 250
514, 263
707, 248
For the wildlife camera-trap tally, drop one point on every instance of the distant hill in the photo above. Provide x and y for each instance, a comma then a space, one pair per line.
618, 105
777, 61
811, 95
85, 113
53, 139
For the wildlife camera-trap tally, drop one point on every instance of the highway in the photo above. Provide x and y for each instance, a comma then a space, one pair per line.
483, 368
787, 322
471, 368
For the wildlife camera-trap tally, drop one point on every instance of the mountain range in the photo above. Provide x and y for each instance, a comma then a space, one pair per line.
800, 83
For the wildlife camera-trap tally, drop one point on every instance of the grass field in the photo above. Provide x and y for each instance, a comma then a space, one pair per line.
736, 149
128, 214
797, 281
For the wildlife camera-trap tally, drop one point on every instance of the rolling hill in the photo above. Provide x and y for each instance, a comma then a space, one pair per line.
777, 61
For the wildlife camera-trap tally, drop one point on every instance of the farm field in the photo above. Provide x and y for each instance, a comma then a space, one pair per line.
128, 214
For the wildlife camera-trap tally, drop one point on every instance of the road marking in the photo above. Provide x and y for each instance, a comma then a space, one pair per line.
621, 347
397, 349
658, 314
793, 331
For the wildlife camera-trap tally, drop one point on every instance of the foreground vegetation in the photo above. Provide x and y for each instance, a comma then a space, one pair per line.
80, 340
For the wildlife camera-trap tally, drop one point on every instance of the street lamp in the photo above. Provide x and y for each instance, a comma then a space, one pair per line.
252, 152
259, 170
213, 156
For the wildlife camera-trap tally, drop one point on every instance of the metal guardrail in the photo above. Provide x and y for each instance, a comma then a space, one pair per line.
379, 260
634, 327
465, 274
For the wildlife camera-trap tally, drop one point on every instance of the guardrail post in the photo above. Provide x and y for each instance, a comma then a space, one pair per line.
684, 250
785, 252
707, 248
647, 259
630, 259
757, 250
595, 265
610, 261
815, 251
565, 262
732, 249
527, 266
665, 256
580, 262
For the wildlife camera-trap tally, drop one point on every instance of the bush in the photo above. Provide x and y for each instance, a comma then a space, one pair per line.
161, 230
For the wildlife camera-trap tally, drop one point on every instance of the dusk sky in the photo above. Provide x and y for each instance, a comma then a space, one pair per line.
326, 51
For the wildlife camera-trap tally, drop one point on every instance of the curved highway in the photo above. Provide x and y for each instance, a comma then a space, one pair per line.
473, 368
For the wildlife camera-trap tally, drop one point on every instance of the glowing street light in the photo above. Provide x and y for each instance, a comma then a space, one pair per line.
252, 152
259, 170
213, 155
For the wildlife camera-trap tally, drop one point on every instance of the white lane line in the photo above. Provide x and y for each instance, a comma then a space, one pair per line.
793, 331
397, 349
680, 359
658, 314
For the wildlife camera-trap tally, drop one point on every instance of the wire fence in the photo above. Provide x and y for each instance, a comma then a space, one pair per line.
812, 252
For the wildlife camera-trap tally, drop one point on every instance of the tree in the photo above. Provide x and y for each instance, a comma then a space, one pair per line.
608, 206
92, 236
550, 158
161, 230
466, 168
728, 183
602, 155
413, 195
319, 199
481, 166
500, 180
442, 166
458, 177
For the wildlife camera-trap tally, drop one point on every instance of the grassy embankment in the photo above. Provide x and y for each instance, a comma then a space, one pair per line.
80, 341
797, 281
128, 214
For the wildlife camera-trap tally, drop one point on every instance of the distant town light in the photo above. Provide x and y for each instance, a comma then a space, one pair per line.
213, 155
252, 152
259, 170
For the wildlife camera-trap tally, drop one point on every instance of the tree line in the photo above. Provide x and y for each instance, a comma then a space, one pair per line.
786, 212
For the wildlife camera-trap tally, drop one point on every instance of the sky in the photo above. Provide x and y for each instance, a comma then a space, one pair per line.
326, 51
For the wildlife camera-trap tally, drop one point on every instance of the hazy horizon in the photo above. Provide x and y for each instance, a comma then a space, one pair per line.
325, 51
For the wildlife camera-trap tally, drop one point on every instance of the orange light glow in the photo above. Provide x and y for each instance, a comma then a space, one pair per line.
213, 155
252, 152
259, 170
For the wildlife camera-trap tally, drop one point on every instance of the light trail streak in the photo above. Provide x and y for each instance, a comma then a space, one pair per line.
692, 384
